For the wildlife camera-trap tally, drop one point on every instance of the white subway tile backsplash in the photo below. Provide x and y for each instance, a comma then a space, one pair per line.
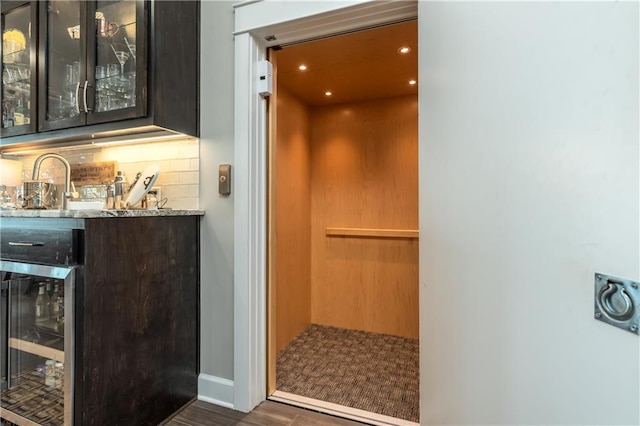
189, 177
179, 191
178, 161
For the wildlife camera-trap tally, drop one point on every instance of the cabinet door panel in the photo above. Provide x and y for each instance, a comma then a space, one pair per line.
62, 75
117, 56
19, 33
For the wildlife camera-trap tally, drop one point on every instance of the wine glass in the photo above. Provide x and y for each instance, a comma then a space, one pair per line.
132, 48
122, 57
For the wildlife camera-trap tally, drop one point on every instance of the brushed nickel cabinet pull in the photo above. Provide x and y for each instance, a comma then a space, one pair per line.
86, 84
77, 106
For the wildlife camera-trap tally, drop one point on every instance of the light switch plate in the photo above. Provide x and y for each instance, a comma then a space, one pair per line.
617, 302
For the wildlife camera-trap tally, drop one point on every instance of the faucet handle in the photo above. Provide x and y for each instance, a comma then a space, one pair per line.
72, 194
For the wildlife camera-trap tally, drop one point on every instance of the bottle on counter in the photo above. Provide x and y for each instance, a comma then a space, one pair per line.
120, 187
42, 304
111, 193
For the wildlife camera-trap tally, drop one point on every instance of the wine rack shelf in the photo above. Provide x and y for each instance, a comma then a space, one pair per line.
36, 349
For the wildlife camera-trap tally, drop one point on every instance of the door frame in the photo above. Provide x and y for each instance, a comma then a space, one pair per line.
255, 22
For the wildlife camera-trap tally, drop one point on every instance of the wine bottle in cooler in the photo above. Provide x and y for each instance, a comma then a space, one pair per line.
42, 304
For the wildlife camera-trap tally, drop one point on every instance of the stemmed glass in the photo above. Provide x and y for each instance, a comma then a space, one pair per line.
122, 57
132, 48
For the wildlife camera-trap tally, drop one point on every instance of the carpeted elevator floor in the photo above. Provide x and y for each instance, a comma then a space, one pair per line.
368, 371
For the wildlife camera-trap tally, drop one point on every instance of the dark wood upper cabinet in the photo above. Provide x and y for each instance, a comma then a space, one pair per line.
106, 68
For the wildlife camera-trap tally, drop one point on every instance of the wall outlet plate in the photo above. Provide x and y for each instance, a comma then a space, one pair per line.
617, 302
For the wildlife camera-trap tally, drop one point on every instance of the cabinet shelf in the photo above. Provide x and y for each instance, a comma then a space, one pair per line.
16, 87
36, 349
10, 58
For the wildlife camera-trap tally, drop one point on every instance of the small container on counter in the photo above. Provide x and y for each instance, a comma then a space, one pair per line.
111, 193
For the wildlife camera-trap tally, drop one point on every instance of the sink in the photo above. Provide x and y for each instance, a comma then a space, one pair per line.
85, 205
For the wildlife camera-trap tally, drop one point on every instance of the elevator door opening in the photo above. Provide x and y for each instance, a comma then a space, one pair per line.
343, 224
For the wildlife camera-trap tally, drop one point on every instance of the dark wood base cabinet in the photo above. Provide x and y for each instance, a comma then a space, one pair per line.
137, 298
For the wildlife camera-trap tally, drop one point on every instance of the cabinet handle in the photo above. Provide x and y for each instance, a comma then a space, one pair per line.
77, 99
22, 244
86, 84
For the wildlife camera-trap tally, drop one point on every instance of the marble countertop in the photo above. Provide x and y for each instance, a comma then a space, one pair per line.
92, 214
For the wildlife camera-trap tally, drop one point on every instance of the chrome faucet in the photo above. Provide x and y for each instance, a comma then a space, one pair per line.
69, 192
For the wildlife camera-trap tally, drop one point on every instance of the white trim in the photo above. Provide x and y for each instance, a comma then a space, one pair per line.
261, 14
249, 369
295, 21
249, 171
339, 410
215, 390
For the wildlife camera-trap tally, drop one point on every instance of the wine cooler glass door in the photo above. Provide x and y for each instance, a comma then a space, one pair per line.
4, 340
38, 343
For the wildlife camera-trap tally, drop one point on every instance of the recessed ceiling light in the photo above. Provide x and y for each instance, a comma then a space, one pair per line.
404, 49
302, 67
328, 93
412, 82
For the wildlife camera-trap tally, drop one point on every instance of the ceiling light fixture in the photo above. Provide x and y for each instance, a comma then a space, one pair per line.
302, 67
404, 49
328, 93
412, 82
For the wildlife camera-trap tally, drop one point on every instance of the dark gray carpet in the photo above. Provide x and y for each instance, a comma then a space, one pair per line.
369, 371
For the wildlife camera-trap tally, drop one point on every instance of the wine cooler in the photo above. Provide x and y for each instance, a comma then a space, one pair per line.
37, 332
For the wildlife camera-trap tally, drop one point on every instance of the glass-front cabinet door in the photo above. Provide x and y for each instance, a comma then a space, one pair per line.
18, 67
118, 59
95, 62
37, 323
61, 73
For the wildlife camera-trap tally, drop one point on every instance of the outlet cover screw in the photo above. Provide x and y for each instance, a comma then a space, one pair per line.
634, 328
598, 314
634, 285
598, 277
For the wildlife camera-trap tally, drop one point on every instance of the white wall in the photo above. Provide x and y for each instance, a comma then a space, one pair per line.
216, 147
529, 179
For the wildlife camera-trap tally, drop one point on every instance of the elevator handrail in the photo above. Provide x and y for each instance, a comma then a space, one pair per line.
372, 233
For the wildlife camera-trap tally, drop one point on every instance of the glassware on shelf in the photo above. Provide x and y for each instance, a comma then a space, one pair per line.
14, 44
122, 57
72, 74
131, 47
112, 70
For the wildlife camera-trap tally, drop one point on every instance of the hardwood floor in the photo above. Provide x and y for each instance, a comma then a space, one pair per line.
269, 413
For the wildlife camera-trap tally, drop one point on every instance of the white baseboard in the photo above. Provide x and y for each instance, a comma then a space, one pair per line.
215, 390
